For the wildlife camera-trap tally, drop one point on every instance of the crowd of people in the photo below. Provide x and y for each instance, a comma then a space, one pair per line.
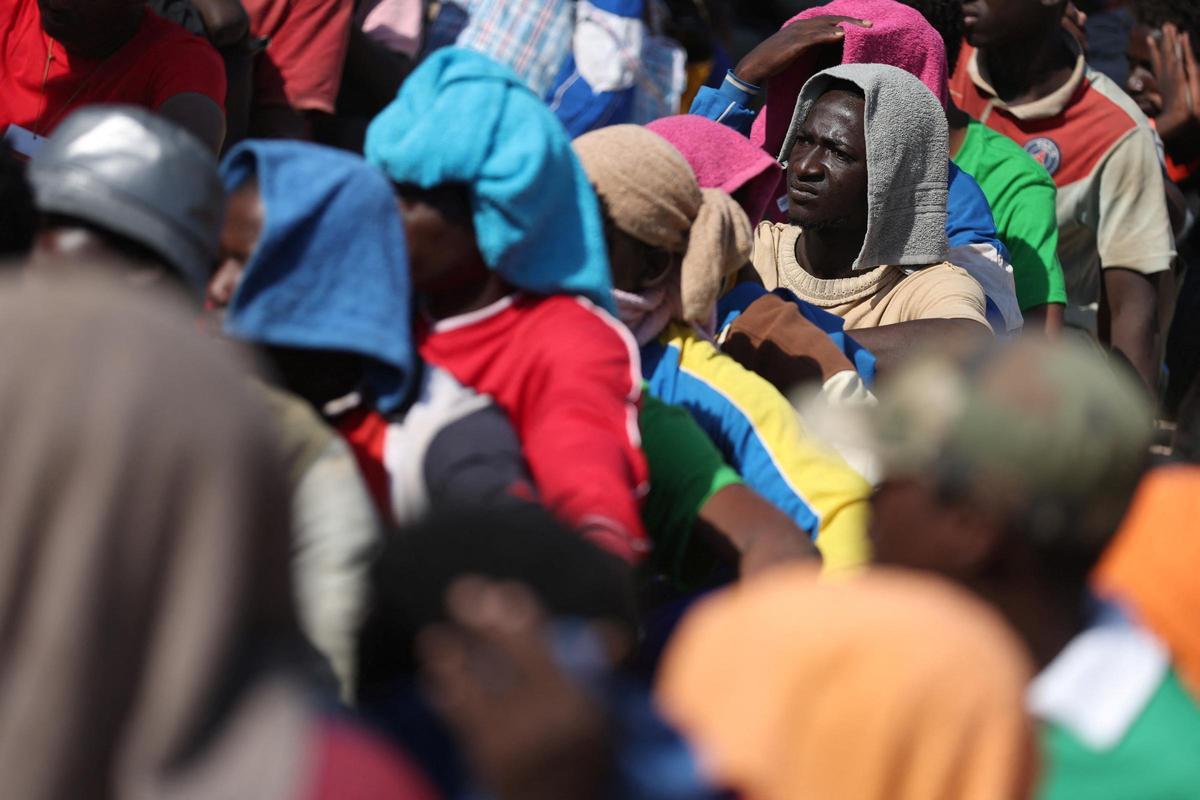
599, 399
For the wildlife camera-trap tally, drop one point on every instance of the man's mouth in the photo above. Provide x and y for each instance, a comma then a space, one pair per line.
802, 191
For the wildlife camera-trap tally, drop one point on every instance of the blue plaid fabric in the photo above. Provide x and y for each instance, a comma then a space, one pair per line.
531, 37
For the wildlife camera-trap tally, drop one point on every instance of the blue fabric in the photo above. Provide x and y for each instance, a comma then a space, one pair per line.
310, 284
730, 429
462, 118
738, 299
579, 106
968, 215
728, 105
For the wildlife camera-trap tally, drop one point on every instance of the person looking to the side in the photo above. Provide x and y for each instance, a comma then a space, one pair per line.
864, 32
59, 55
1026, 78
1009, 472
671, 244
118, 183
866, 240
507, 253
1020, 192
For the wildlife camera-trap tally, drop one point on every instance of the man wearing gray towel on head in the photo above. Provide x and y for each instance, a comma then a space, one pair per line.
866, 237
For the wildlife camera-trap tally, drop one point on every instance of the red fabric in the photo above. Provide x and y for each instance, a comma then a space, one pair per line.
365, 430
161, 61
568, 376
353, 765
302, 66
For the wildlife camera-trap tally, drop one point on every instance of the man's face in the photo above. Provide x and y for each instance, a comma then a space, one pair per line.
988, 23
78, 24
827, 167
244, 217
443, 254
1142, 84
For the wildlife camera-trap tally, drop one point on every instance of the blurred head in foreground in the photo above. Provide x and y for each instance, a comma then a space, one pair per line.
886, 685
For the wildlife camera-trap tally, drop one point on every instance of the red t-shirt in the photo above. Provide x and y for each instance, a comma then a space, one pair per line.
302, 67
568, 376
161, 60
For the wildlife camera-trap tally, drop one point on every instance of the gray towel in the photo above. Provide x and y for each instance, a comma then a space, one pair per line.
907, 150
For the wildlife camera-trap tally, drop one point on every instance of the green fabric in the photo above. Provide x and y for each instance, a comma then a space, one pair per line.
1159, 758
1022, 196
686, 469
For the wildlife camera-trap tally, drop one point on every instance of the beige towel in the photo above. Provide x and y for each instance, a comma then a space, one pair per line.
651, 194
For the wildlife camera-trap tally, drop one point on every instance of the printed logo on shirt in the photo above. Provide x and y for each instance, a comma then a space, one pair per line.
1045, 152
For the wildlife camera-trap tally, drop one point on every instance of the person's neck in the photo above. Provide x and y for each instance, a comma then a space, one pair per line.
829, 253
116, 35
1046, 618
1031, 71
468, 298
957, 120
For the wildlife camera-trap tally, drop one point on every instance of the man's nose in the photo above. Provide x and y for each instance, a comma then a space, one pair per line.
807, 164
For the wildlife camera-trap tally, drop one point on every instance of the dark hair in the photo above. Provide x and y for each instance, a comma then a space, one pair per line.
843, 85
452, 200
18, 218
1156, 13
946, 17
569, 576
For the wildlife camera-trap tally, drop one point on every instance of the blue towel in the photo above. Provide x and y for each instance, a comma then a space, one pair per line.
462, 118
330, 271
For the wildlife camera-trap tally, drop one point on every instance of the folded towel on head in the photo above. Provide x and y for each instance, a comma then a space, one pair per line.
651, 194
308, 284
907, 141
723, 159
461, 118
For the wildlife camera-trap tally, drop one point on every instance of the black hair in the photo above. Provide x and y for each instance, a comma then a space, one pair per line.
569, 576
452, 200
946, 17
1156, 13
18, 218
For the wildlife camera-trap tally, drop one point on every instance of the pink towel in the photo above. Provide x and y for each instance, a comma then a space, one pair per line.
899, 36
723, 159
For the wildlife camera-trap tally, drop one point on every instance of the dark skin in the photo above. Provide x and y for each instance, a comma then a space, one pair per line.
827, 196
821, 39
448, 271
915, 526
736, 521
1028, 57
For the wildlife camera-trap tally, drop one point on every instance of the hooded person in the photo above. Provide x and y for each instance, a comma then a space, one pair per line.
671, 245
506, 250
886, 685
864, 32
867, 207
153, 648
119, 182
332, 315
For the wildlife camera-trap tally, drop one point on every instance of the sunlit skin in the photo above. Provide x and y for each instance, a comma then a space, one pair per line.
1142, 85
244, 218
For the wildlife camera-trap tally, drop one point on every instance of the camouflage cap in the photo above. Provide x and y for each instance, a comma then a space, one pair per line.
1050, 432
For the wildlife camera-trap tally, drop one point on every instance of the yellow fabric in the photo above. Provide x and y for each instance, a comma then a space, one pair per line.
1152, 565
886, 685
882, 296
837, 494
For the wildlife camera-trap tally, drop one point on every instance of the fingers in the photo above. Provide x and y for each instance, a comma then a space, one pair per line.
1192, 71
833, 18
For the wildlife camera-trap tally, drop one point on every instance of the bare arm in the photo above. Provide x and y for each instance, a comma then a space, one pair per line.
892, 344
1133, 308
1044, 320
740, 523
198, 114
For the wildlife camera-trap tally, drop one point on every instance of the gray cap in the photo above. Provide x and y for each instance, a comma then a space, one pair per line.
126, 170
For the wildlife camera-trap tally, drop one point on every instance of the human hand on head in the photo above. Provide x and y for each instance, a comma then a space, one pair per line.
782, 48
529, 731
1178, 75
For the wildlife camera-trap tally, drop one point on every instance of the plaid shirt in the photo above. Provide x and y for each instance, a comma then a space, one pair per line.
532, 37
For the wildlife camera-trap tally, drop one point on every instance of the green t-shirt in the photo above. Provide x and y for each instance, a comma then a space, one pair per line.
686, 469
1157, 759
1022, 196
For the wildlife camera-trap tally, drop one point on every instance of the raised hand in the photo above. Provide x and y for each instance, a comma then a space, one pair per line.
1178, 76
775, 53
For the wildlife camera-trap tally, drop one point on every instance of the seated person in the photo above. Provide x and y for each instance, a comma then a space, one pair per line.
671, 244
875, 31
1018, 188
120, 183
507, 254
55, 58
333, 316
867, 207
